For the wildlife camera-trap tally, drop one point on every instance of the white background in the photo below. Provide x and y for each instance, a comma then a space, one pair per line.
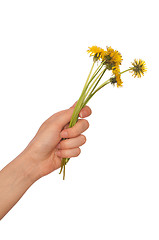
111, 190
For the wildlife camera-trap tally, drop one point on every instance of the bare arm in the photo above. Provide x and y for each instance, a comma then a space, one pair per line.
15, 179
42, 156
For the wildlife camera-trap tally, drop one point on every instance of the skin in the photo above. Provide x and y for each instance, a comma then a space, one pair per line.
42, 155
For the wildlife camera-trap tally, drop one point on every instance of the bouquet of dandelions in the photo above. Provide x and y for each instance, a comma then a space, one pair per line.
109, 60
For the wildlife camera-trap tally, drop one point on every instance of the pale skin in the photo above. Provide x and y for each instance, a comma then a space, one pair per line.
42, 155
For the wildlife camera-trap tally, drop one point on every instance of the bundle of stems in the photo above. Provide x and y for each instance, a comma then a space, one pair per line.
110, 60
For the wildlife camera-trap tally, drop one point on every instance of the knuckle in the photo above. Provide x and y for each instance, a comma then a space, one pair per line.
44, 125
67, 133
63, 144
70, 132
74, 131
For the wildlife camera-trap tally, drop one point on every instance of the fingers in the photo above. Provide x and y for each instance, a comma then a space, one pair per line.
68, 153
81, 126
85, 112
70, 147
64, 116
72, 143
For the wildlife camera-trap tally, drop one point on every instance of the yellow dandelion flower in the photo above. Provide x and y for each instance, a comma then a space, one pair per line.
119, 81
117, 78
96, 52
112, 58
139, 68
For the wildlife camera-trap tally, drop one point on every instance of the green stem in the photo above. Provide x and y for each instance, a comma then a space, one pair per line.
95, 73
98, 69
98, 77
91, 94
88, 76
126, 70
74, 118
82, 96
64, 172
101, 86
62, 164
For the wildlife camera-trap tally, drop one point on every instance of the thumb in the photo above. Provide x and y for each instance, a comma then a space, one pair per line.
65, 116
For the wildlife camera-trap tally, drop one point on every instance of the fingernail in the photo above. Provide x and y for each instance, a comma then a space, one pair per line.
81, 115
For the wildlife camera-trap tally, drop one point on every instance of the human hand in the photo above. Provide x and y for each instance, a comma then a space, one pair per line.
42, 155
46, 149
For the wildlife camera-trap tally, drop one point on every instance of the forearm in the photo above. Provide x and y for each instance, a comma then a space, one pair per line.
15, 179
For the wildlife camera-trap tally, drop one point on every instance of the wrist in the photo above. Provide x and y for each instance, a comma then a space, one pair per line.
29, 169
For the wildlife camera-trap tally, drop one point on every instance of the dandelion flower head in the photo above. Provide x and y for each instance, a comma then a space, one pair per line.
139, 68
96, 52
116, 72
113, 59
